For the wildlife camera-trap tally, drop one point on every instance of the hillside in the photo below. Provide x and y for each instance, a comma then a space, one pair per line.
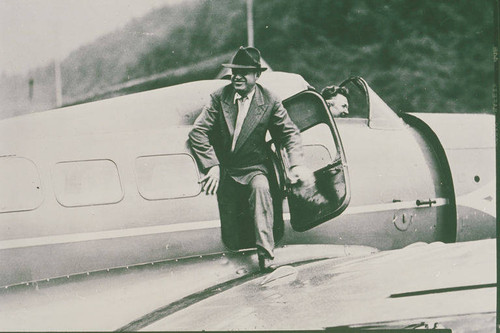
420, 56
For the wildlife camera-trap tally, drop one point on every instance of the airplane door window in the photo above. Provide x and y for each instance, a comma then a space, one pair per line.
167, 176
85, 183
20, 187
324, 154
319, 146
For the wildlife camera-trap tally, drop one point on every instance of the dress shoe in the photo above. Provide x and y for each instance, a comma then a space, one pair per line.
266, 264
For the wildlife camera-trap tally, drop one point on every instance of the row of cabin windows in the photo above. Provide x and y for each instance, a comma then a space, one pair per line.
95, 182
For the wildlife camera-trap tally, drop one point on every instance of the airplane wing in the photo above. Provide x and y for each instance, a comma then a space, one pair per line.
316, 287
439, 285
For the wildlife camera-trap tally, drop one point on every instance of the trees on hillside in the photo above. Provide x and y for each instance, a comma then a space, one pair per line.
420, 56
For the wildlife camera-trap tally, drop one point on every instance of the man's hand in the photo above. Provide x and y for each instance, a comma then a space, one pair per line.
303, 174
211, 180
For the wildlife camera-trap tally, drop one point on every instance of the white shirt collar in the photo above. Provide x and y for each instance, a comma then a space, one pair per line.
238, 96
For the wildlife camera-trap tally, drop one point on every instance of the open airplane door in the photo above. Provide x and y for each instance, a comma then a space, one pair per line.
324, 155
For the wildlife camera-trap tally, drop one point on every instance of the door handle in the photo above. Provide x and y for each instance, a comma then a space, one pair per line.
425, 202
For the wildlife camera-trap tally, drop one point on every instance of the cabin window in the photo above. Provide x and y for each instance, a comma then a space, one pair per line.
167, 176
20, 187
85, 183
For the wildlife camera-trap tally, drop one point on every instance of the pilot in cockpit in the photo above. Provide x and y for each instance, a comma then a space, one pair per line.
337, 99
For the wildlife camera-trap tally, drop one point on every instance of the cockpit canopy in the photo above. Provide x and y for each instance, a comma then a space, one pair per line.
366, 104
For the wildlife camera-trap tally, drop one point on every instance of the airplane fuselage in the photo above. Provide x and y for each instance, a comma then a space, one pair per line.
114, 183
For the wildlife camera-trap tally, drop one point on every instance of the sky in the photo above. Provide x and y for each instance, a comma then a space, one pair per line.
34, 32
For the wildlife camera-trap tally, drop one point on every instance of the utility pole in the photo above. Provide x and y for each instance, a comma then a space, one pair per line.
31, 82
56, 26
250, 22
58, 85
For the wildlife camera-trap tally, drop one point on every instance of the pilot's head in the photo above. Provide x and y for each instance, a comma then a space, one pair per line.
246, 69
337, 100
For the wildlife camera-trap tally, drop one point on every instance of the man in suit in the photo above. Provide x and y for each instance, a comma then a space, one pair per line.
228, 139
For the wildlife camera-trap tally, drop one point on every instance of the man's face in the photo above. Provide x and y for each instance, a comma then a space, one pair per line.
244, 80
339, 105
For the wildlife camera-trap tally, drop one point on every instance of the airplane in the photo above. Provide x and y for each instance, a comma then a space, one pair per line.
107, 190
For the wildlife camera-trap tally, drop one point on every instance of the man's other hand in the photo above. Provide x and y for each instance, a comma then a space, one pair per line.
211, 180
303, 174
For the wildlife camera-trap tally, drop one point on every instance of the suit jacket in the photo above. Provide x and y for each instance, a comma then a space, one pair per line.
212, 134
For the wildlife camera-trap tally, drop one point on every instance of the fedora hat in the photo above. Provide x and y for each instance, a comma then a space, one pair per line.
246, 58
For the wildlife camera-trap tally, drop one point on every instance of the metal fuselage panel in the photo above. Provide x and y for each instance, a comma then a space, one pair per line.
469, 144
54, 240
389, 171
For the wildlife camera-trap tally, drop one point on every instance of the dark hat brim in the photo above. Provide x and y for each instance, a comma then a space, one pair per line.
244, 67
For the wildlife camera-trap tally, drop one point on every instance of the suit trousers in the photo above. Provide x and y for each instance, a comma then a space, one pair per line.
246, 213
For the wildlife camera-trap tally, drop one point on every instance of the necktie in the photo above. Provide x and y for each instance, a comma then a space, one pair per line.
242, 112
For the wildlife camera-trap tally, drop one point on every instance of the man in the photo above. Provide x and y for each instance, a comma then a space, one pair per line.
228, 139
337, 100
